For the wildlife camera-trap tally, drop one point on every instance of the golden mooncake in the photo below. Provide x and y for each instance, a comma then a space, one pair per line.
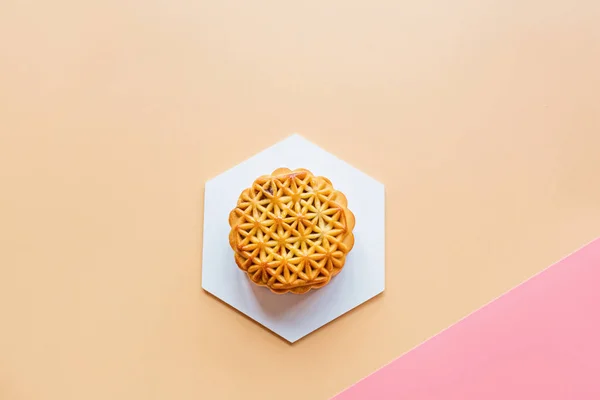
291, 231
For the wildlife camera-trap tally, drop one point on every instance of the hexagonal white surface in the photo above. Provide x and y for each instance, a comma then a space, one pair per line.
294, 316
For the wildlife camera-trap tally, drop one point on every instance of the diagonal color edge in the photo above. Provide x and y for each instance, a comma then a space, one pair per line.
538, 340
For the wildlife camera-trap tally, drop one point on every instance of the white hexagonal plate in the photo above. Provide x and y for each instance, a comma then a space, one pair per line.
294, 316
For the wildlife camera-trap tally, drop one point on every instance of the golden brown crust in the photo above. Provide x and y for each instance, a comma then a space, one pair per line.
291, 231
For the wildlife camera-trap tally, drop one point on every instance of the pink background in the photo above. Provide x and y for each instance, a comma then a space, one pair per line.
541, 340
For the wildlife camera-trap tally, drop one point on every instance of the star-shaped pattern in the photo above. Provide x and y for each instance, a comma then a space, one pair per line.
291, 231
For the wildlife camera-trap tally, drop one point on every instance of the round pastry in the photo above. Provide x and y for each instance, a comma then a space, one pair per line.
291, 231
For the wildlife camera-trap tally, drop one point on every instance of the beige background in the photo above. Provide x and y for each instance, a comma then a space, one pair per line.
481, 117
